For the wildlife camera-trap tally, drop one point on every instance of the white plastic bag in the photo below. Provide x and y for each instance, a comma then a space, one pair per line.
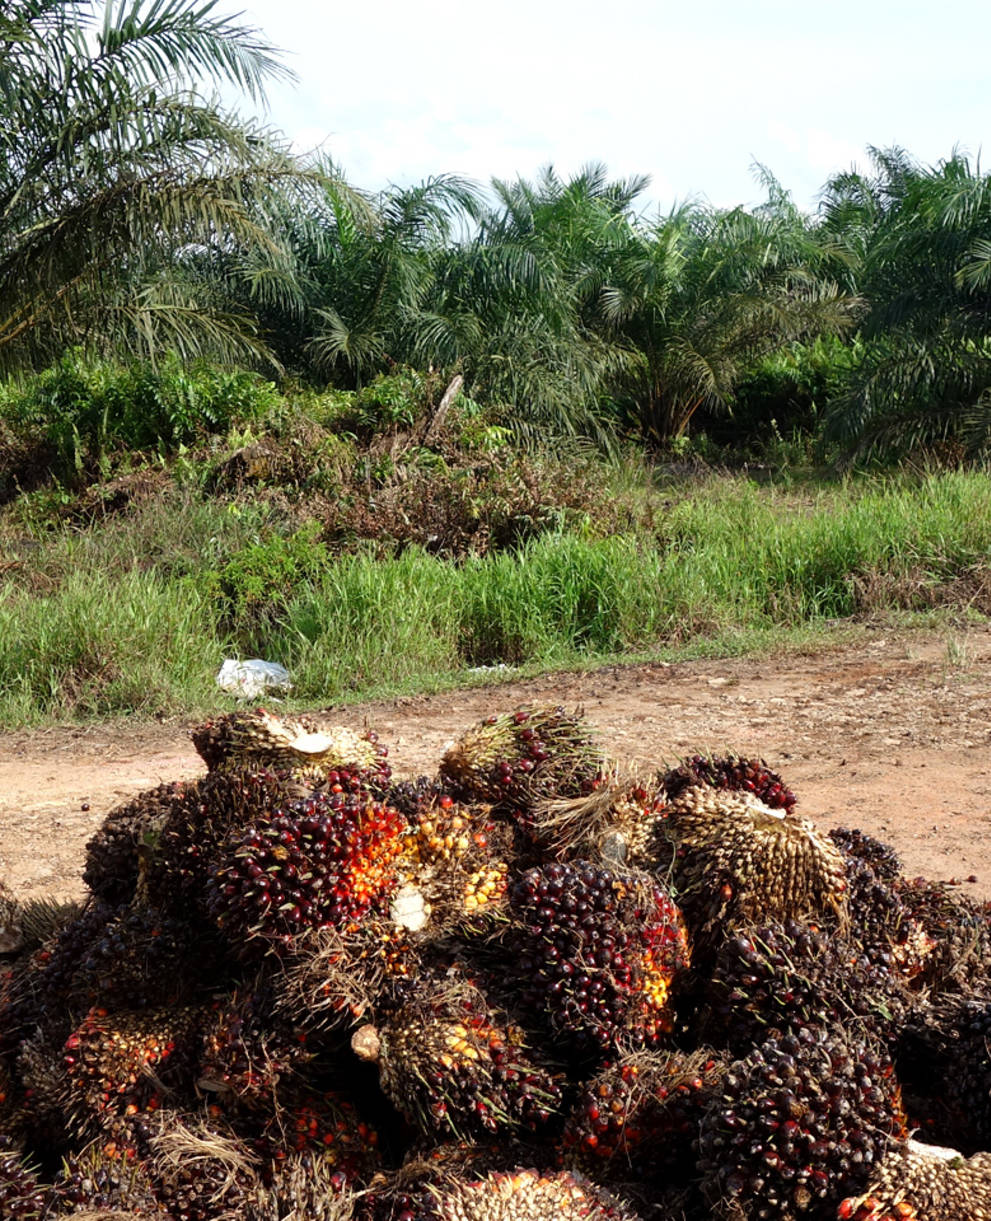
249, 679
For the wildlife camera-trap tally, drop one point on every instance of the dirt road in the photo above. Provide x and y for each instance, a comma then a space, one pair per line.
892, 735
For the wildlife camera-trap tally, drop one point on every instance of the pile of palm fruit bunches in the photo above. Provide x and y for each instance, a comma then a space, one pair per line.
531, 986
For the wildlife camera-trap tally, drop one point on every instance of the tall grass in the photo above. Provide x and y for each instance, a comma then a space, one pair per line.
126, 621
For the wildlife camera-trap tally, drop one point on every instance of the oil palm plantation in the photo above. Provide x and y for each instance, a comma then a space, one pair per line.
115, 169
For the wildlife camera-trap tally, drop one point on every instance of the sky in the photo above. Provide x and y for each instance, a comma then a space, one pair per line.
691, 94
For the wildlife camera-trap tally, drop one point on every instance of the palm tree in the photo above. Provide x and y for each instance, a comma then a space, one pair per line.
113, 169
918, 241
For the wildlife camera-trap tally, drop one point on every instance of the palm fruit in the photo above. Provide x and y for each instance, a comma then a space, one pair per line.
324, 861
523, 1195
918, 1182
595, 953
518, 758
201, 1170
734, 859
774, 979
125, 1064
882, 924
334, 977
858, 845
115, 852
325, 1125
960, 958
638, 1119
451, 1065
304, 1186
802, 1123
100, 1176
247, 1050
731, 773
22, 1196
616, 823
253, 741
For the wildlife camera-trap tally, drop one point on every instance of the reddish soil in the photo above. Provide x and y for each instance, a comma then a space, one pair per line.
892, 735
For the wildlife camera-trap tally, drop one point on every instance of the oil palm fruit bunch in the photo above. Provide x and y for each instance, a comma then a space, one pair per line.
258, 740
324, 1125
523, 1195
334, 977
115, 852
776, 978
126, 1064
858, 845
881, 923
802, 1123
247, 1050
451, 1065
616, 823
595, 952
201, 1170
733, 859
731, 773
960, 958
99, 1176
638, 1119
518, 758
22, 1196
327, 860
918, 1182
303, 1185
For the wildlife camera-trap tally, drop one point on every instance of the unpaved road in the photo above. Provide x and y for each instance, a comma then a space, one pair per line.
892, 735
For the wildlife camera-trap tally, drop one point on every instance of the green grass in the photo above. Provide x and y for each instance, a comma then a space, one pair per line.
136, 615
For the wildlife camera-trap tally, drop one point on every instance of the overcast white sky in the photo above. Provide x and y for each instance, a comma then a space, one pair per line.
689, 93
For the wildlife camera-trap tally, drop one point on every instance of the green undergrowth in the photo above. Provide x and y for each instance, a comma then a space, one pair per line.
133, 612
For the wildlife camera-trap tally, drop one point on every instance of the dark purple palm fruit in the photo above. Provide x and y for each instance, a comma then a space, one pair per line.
126, 1064
944, 1059
595, 952
882, 924
115, 852
520, 758
524, 1194
327, 861
735, 860
959, 929
451, 1065
857, 844
802, 1123
732, 773
770, 980
248, 1051
102, 1177
22, 1196
638, 1118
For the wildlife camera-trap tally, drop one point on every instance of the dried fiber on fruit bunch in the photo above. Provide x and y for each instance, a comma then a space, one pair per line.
101, 1176
451, 1065
960, 958
125, 838
882, 924
858, 845
11, 938
944, 1059
247, 1050
638, 1119
455, 868
518, 758
22, 1195
328, 860
802, 1123
732, 773
123, 1064
258, 740
334, 977
919, 1182
303, 1187
524, 1195
733, 859
617, 823
202, 1170
326, 1126
776, 978
595, 952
